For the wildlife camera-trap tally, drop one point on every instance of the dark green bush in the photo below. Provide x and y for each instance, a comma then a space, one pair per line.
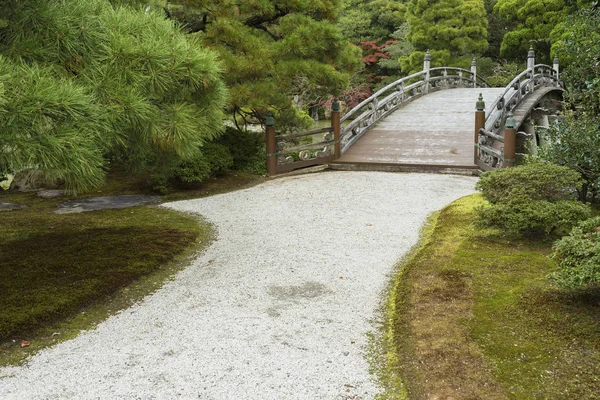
533, 198
532, 181
578, 255
501, 74
215, 158
537, 216
247, 150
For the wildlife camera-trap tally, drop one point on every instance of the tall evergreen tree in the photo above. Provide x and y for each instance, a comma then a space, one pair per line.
574, 141
448, 28
535, 20
277, 54
373, 21
84, 81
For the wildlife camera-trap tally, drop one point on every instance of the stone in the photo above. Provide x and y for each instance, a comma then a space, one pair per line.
5, 206
30, 180
51, 194
103, 203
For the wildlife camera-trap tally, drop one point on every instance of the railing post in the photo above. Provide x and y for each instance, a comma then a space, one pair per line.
530, 65
510, 141
479, 124
337, 129
474, 72
530, 58
426, 68
271, 146
556, 69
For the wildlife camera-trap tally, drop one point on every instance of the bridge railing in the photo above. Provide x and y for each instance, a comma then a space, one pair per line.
288, 152
297, 150
491, 137
397, 94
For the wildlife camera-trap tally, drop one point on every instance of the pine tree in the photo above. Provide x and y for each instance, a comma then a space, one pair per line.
376, 21
535, 20
278, 55
450, 29
85, 82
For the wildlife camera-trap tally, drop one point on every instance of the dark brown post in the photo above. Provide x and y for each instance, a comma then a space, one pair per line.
510, 140
479, 124
337, 129
271, 147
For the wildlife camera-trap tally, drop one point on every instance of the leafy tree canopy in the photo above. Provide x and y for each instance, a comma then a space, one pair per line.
536, 22
85, 82
363, 21
449, 28
281, 55
578, 47
574, 141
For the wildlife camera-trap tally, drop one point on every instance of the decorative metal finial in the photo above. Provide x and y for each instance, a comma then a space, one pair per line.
511, 123
480, 105
474, 64
428, 56
270, 121
555, 59
335, 106
531, 53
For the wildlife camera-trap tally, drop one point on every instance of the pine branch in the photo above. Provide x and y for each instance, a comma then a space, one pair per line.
257, 21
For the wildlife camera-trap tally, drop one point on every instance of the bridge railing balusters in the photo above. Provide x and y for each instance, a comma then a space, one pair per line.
288, 152
395, 95
283, 153
491, 139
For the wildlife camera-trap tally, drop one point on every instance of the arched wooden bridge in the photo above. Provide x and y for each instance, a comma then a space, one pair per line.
434, 120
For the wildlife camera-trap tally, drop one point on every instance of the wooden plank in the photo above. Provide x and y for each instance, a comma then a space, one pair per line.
483, 166
434, 130
302, 164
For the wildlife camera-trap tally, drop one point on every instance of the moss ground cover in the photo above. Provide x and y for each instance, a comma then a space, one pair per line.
475, 316
63, 273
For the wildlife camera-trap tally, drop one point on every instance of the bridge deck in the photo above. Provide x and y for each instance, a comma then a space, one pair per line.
435, 130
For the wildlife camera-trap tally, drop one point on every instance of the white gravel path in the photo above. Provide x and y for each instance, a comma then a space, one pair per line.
278, 307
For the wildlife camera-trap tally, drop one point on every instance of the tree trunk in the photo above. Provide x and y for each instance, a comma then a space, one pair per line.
583, 192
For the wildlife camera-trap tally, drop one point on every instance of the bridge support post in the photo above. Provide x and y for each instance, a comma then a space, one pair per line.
530, 65
426, 68
474, 72
510, 141
479, 124
271, 147
531, 58
337, 129
555, 68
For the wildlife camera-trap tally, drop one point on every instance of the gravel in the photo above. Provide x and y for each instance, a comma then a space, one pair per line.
278, 307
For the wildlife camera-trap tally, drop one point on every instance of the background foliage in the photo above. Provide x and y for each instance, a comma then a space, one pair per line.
578, 255
573, 141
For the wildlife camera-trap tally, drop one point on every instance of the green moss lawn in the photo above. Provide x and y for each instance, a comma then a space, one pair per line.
475, 316
63, 273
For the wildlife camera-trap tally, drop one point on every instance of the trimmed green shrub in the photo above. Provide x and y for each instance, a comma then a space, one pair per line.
215, 158
534, 216
578, 255
533, 198
532, 181
247, 149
